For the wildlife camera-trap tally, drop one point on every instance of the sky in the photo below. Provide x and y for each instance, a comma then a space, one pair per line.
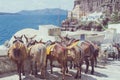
18, 5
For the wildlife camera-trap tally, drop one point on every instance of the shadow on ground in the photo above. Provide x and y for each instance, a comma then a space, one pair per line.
7, 74
58, 76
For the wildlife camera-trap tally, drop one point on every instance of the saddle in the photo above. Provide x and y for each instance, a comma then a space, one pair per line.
73, 44
50, 48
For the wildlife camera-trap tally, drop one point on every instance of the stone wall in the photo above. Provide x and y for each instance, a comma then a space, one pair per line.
6, 65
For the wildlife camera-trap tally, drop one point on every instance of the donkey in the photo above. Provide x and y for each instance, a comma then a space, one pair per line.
57, 52
37, 53
18, 53
75, 54
89, 50
87, 47
90, 54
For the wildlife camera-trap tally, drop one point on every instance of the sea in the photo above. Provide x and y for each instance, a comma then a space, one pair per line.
10, 24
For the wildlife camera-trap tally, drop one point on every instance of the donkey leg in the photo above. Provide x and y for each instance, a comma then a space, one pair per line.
92, 65
35, 68
31, 65
22, 68
71, 64
46, 62
20, 74
113, 56
80, 68
116, 56
95, 61
67, 67
76, 76
43, 71
19, 70
17, 67
87, 64
63, 70
51, 66
119, 55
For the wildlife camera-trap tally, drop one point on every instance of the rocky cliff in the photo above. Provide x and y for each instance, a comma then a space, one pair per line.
107, 6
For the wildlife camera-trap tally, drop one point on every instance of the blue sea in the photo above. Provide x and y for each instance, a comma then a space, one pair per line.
10, 24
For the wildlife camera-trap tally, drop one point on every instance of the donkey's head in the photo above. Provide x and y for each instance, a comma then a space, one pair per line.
18, 39
30, 41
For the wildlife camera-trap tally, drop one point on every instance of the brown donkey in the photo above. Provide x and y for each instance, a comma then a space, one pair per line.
18, 53
56, 52
90, 54
75, 55
89, 49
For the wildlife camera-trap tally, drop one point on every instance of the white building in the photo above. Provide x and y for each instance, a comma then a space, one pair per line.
110, 35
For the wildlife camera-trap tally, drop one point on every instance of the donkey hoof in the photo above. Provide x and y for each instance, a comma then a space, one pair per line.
37, 76
42, 77
23, 74
51, 72
20, 79
63, 79
85, 72
80, 77
70, 67
32, 73
76, 77
92, 72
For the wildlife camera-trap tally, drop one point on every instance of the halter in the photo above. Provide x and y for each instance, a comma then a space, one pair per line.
18, 40
32, 42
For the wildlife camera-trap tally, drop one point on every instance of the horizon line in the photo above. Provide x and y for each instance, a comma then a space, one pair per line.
31, 10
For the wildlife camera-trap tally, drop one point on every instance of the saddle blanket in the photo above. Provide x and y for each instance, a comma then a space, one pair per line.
73, 44
77, 43
50, 48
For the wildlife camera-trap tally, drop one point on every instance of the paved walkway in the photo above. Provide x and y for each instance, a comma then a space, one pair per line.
109, 72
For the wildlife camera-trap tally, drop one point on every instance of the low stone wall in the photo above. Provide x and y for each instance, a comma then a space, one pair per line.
7, 65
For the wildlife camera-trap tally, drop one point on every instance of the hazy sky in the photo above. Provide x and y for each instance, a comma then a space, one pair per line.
18, 5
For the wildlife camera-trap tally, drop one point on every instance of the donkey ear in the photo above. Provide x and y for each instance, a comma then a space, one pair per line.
26, 38
60, 37
15, 37
36, 41
40, 41
33, 36
21, 36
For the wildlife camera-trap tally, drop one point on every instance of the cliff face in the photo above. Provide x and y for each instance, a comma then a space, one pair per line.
107, 6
